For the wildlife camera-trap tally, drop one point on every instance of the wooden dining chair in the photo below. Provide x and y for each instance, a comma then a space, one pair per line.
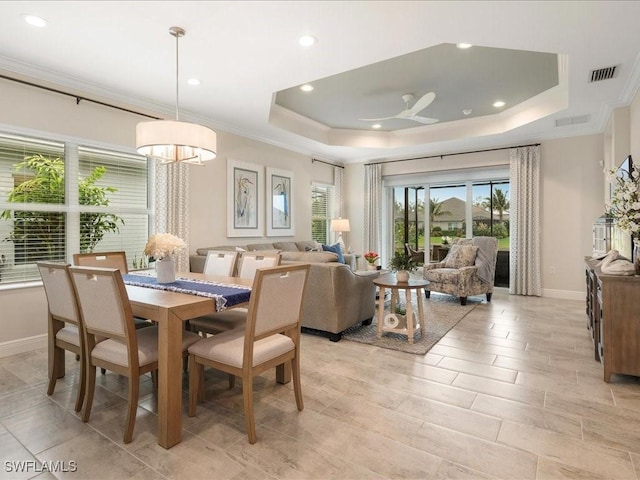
232, 318
222, 263
105, 311
109, 260
64, 325
271, 337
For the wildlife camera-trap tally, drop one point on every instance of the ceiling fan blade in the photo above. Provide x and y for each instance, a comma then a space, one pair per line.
376, 119
423, 103
425, 120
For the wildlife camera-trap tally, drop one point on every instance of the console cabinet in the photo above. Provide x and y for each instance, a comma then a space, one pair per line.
613, 320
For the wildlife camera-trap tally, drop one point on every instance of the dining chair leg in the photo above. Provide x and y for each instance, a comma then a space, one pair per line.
194, 384
56, 367
91, 387
82, 386
247, 394
134, 385
297, 386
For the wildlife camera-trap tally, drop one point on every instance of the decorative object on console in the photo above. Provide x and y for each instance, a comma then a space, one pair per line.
624, 205
161, 247
340, 225
636, 255
371, 258
172, 140
615, 264
403, 265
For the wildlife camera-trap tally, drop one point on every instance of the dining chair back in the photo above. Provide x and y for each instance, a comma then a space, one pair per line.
270, 338
105, 311
220, 263
249, 262
102, 259
64, 325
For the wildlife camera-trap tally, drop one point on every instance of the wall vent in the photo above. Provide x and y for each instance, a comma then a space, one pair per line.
603, 74
563, 122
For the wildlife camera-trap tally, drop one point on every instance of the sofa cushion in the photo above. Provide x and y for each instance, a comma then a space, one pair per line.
309, 246
260, 246
203, 251
309, 257
336, 248
461, 256
286, 246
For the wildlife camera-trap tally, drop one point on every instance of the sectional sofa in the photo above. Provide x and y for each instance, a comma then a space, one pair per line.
337, 297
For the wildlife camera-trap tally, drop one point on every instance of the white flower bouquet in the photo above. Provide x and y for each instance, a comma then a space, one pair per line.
162, 245
625, 202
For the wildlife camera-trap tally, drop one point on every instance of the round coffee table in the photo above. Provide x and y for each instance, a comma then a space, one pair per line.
392, 323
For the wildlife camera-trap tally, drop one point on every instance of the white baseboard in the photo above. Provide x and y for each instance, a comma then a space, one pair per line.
564, 294
23, 345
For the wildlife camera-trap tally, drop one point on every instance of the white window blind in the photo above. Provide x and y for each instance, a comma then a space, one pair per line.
57, 199
321, 207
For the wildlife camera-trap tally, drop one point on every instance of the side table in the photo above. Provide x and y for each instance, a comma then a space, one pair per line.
389, 282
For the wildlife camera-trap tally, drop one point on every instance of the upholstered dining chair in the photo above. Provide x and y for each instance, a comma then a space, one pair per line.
64, 327
108, 260
105, 311
468, 269
220, 262
271, 337
232, 318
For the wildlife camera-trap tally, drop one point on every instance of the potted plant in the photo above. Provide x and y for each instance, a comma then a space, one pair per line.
403, 265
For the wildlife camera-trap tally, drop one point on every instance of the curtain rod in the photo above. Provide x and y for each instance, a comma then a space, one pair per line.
326, 163
452, 154
78, 98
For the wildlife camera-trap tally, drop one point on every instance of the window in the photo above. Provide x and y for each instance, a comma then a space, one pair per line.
408, 218
87, 200
321, 207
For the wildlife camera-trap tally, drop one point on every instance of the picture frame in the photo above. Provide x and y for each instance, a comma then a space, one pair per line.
279, 203
245, 182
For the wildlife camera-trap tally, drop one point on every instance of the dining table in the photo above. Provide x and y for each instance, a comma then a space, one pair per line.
171, 310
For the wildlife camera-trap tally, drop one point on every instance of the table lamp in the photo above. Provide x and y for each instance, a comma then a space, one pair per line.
340, 225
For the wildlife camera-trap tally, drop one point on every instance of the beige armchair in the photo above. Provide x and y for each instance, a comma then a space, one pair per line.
468, 269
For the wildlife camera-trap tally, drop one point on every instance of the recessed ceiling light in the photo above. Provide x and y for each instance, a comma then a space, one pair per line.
467, 111
306, 88
464, 46
307, 40
376, 125
193, 81
35, 21
499, 104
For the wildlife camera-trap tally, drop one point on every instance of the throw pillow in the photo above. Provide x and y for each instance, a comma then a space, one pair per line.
461, 256
335, 249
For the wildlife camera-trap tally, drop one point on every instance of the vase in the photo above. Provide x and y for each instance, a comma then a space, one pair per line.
402, 275
371, 266
166, 270
636, 255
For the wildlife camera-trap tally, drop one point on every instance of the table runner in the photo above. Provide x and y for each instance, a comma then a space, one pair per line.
226, 295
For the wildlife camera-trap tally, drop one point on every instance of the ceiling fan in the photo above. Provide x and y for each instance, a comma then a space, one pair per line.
411, 113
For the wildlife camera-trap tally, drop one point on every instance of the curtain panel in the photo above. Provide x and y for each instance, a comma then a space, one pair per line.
373, 207
524, 258
172, 206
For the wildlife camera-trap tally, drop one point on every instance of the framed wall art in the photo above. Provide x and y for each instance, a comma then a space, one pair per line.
244, 199
279, 203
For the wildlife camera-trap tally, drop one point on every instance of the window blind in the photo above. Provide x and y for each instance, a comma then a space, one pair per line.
321, 200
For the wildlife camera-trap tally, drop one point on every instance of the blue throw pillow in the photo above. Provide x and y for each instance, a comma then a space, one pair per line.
335, 249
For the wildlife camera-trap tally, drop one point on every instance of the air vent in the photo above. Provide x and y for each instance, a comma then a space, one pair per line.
563, 122
603, 74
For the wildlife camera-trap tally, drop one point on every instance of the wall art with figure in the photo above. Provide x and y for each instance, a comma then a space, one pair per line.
280, 202
244, 201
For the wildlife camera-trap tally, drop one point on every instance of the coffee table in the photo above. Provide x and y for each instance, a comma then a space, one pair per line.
390, 323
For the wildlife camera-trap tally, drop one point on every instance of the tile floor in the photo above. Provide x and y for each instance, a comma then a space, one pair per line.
512, 392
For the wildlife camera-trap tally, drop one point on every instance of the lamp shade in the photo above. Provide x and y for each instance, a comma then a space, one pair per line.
174, 141
340, 225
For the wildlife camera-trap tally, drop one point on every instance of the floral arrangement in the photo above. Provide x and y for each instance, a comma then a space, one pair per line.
446, 240
371, 257
162, 245
625, 203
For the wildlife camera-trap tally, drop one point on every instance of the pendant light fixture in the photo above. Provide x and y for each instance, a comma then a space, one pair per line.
171, 141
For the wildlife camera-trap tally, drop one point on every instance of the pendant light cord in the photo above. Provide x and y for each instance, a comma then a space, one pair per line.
177, 32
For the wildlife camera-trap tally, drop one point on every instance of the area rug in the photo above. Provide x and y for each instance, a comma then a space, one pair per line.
443, 312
